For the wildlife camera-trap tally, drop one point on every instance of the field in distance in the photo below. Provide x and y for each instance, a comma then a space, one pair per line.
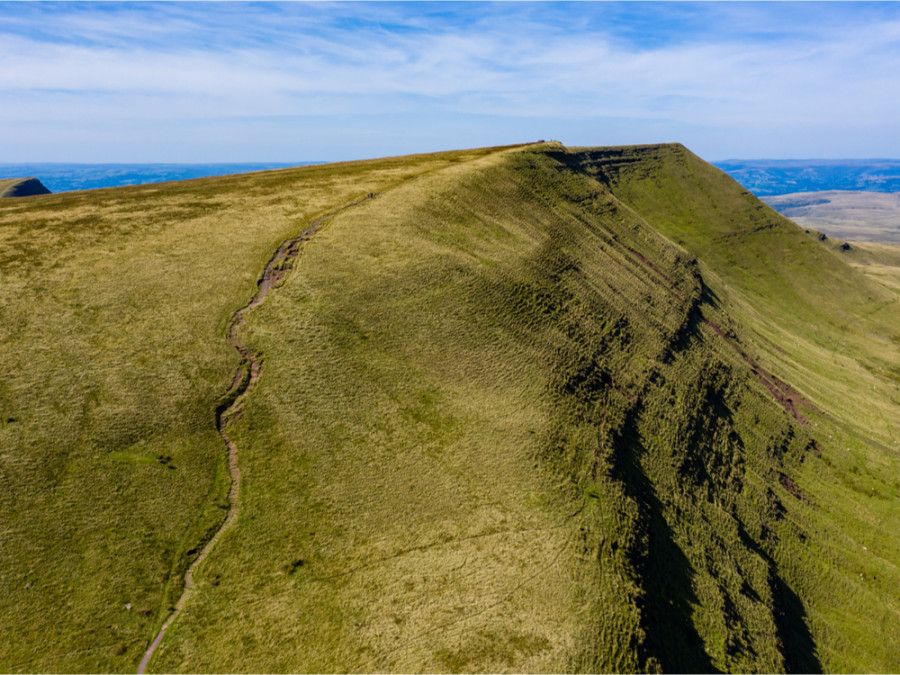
849, 215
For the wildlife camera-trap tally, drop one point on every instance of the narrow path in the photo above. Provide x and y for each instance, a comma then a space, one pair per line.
276, 269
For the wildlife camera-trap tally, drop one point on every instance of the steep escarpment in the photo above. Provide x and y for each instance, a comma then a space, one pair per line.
663, 426
818, 339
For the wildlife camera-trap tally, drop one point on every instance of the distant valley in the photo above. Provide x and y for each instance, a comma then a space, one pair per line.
852, 199
854, 216
767, 177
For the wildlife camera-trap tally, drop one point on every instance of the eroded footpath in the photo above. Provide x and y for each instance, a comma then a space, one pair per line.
245, 378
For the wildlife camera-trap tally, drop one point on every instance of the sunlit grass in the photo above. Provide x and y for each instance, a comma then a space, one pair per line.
113, 308
513, 416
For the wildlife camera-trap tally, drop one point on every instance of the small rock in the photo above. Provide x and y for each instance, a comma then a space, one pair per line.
128, 605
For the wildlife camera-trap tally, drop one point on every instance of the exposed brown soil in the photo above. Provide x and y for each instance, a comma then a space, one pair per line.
789, 398
781, 395
245, 378
792, 487
651, 266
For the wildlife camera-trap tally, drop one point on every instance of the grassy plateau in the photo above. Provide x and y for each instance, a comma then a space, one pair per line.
528, 408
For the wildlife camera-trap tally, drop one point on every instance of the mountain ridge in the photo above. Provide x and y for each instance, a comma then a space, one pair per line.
533, 408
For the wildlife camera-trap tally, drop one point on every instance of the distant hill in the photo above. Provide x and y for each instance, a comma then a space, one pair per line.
22, 187
855, 216
65, 177
765, 177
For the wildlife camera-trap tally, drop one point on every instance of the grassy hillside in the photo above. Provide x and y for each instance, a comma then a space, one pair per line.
881, 262
112, 317
527, 409
7, 184
830, 332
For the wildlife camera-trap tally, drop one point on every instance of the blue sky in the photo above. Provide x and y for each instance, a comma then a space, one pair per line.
209, 82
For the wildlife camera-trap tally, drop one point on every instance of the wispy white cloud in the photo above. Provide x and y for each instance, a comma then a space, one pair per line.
724, 68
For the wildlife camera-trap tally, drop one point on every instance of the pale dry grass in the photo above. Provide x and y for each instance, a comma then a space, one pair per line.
113, 308
878, 261
849, 215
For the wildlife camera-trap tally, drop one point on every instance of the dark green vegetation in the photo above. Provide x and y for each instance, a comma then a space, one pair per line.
854, 216
528, 409
21, 187
766, 177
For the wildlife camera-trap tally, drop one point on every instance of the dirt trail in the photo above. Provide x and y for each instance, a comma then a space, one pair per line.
246, 376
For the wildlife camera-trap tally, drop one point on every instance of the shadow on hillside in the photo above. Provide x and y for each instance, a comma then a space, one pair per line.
790, 617
672, 641
690, 332
601, 164
666, 573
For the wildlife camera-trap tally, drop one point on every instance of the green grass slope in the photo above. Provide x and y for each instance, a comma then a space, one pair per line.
834, 335
529, 409
113, 309
517, 313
